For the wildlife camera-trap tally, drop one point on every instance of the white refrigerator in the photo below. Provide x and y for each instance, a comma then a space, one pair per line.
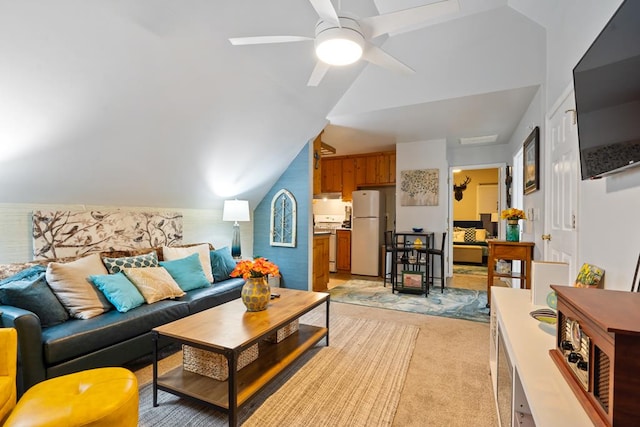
367, 232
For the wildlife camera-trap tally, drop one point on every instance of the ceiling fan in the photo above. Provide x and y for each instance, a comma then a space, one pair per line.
342, 38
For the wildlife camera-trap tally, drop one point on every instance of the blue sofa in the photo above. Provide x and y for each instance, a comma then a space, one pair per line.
110, 339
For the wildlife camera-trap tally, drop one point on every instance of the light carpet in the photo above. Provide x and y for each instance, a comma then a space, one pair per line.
356, 381
456, 303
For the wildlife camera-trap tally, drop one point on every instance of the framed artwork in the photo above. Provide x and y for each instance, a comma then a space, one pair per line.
419, 187
531, 170
283, 219
412, 279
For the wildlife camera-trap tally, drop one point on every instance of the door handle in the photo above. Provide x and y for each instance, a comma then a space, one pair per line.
546, 237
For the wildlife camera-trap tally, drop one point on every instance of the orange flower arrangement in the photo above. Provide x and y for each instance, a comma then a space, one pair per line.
259, 267
512, 213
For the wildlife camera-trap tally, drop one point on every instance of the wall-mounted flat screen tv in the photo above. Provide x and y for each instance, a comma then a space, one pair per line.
607, 90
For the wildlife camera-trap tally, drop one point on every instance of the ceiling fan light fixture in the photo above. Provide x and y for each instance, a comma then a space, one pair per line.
339, 46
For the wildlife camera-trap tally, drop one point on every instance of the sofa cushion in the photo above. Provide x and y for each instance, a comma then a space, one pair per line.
187, 272
154, 283
172, 253
31, 292
119, 291
222, 263
70, 284
115, 265
219, 293
75, 338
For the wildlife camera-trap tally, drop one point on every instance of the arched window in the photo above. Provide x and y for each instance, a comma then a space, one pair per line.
283, 219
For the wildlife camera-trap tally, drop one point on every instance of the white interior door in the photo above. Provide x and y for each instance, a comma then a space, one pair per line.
561, 148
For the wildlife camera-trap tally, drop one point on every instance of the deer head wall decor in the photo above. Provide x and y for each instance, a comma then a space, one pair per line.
458, 189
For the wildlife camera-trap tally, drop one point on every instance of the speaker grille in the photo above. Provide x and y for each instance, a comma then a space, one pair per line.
601, 378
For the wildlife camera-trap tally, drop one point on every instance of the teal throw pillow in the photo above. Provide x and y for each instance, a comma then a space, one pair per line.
222, 264
118, 290
34, 294
116, 265
187, 272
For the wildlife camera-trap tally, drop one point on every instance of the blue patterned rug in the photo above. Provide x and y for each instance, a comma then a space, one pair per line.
454, 302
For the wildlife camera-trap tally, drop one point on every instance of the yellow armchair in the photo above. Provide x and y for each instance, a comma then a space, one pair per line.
8, 361
92, 398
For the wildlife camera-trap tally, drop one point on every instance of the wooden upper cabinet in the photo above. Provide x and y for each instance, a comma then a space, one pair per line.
347, 173
392, 167
361, 170
348, 178
331, 175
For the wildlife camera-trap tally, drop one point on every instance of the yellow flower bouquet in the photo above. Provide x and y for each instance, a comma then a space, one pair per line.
259, 267
513, 213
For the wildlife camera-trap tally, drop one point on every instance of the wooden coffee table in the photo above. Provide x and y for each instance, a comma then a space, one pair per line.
229, 329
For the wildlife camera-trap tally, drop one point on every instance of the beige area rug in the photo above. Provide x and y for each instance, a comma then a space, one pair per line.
356, 381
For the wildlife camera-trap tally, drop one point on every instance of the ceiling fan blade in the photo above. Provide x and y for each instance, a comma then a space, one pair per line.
326, 11
375, 26
239, 41
375, 55
318, 73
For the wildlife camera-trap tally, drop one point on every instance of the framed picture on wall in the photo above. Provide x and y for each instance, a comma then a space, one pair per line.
531, 169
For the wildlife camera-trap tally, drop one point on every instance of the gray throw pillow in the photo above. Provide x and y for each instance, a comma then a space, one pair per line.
36, 296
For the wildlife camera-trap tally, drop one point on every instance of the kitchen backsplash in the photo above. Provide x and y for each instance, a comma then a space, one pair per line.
330, 207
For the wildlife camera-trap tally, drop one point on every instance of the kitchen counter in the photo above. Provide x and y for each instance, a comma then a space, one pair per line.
321, 232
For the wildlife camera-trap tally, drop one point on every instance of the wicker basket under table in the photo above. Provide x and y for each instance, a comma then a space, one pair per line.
212, 364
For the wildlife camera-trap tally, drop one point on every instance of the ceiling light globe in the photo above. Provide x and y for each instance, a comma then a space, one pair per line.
339, 46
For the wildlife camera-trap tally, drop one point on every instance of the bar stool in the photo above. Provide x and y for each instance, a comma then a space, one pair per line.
431, 253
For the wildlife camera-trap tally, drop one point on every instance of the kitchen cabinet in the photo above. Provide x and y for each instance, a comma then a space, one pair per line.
343, 254
348, 173
348, 178
320, 262
331, 175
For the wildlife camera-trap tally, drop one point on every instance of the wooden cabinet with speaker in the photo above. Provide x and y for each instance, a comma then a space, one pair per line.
598, 351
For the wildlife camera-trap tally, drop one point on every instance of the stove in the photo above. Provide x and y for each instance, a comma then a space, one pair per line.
329, 223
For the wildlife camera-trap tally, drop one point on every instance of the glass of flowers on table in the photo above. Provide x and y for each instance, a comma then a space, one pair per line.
256, 292
513, 216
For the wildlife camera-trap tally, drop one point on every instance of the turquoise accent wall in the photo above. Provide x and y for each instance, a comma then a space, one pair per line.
293, 262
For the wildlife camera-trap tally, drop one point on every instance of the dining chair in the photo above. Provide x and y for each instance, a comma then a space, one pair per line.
432, 253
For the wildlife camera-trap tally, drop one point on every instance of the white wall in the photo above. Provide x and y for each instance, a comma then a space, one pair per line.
423, 155
570, 31
607, 208
608, 234
199, 225
534, 116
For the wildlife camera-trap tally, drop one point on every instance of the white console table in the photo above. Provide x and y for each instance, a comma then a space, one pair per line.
537, 395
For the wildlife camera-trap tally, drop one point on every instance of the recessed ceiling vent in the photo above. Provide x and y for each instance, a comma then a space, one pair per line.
487, 139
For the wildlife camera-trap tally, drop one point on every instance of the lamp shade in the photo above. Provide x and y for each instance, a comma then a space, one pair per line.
235, 210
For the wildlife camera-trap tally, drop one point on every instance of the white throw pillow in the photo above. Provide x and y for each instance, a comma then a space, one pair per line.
69, 281
169, 254
481, 235
458, 236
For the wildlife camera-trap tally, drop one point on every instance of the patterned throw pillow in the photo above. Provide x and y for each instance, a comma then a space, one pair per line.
470, 234
154, 283
116, 265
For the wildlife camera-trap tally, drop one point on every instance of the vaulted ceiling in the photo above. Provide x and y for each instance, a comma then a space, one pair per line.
146, 103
